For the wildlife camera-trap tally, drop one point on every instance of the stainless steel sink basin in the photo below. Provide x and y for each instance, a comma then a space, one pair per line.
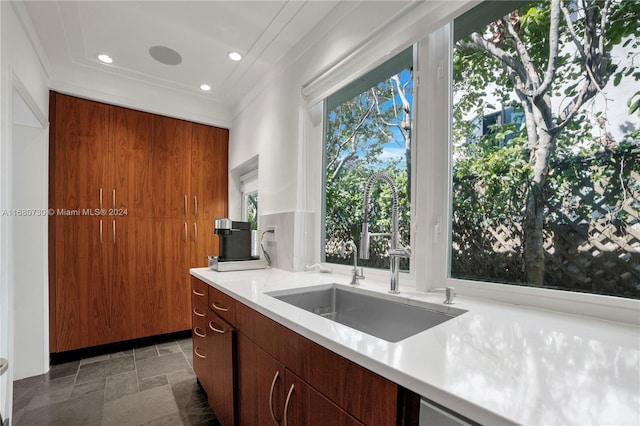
372, 314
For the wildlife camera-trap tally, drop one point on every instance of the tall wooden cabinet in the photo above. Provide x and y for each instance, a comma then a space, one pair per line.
135, 195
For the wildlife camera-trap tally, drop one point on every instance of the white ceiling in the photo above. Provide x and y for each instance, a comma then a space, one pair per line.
72, 33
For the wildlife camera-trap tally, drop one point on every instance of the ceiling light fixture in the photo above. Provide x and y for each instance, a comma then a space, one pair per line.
105, 59
205, 87
235, 56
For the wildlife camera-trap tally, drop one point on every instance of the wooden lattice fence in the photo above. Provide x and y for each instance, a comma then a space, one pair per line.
592, 238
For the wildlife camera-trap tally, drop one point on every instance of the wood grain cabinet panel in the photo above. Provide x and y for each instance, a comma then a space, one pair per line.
171, 166
131, 192
135, 168
80, 142
261, 385
304, 406
82, 310
220, 346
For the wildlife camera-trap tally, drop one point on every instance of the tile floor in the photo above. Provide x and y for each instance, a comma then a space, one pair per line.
149, 385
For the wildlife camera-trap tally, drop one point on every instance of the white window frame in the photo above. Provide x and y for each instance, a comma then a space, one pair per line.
248, 186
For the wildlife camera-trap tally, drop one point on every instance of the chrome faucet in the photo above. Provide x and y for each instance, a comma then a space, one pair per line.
356, 274
396, 251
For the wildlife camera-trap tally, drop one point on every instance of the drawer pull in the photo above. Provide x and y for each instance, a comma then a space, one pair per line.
286, 404
195, 311
197, 333
273, 384
197, 293
217, 330
218, 307
195, 351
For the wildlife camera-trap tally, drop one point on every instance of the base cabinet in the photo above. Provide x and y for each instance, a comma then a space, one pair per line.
278, 377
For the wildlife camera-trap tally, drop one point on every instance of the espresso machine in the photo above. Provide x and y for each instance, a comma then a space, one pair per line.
239, 246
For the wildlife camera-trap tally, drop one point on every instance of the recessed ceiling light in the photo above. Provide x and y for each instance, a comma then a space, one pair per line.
205, 87
104, 58
235, 56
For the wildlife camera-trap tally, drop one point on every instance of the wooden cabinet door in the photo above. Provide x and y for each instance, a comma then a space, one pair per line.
82, 316
132, 180
221, 356
203, 243
304, 406
171, 165
260, 385
80, 153
164, 302
209, 172
130, 272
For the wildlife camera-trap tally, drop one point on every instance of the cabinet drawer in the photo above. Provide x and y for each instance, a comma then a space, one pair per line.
223, 305
199, 292
199, 333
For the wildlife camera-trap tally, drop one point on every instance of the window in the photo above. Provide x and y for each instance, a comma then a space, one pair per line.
249, 189
368, 130
545, 155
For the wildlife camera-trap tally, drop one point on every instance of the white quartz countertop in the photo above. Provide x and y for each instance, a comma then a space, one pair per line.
495, 364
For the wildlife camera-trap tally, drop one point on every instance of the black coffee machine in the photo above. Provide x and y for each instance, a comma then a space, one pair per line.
236, 240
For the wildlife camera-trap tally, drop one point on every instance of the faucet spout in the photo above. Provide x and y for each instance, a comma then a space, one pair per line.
396, 251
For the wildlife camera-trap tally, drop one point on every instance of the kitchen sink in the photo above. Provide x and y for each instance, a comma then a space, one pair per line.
368, 312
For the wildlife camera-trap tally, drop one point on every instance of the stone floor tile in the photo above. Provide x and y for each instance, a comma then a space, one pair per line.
140, 408
192, 403
83, 411
63, 370
170, 420
120, 354
153, 382
23, 386
121, 385
168, 348
93, 359
161, 365
181, 376
89, 387
145, 352
50, 398
109, 367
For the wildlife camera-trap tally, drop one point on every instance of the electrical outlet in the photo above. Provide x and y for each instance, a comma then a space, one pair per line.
272, 236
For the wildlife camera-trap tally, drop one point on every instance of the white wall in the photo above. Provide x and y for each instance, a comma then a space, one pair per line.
21, 71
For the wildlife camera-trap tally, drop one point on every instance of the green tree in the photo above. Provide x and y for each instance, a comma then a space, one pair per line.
357, 133
548, 50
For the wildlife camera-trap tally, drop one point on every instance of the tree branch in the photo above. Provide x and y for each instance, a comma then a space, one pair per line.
572, 31
479, 43
553, 49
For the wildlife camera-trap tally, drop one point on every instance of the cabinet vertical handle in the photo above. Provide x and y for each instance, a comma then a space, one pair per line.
114, 199
185, 205
195, 205
100, 198
286, 404
114, 231
185, 231
100, 231
273, 384
195, 232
